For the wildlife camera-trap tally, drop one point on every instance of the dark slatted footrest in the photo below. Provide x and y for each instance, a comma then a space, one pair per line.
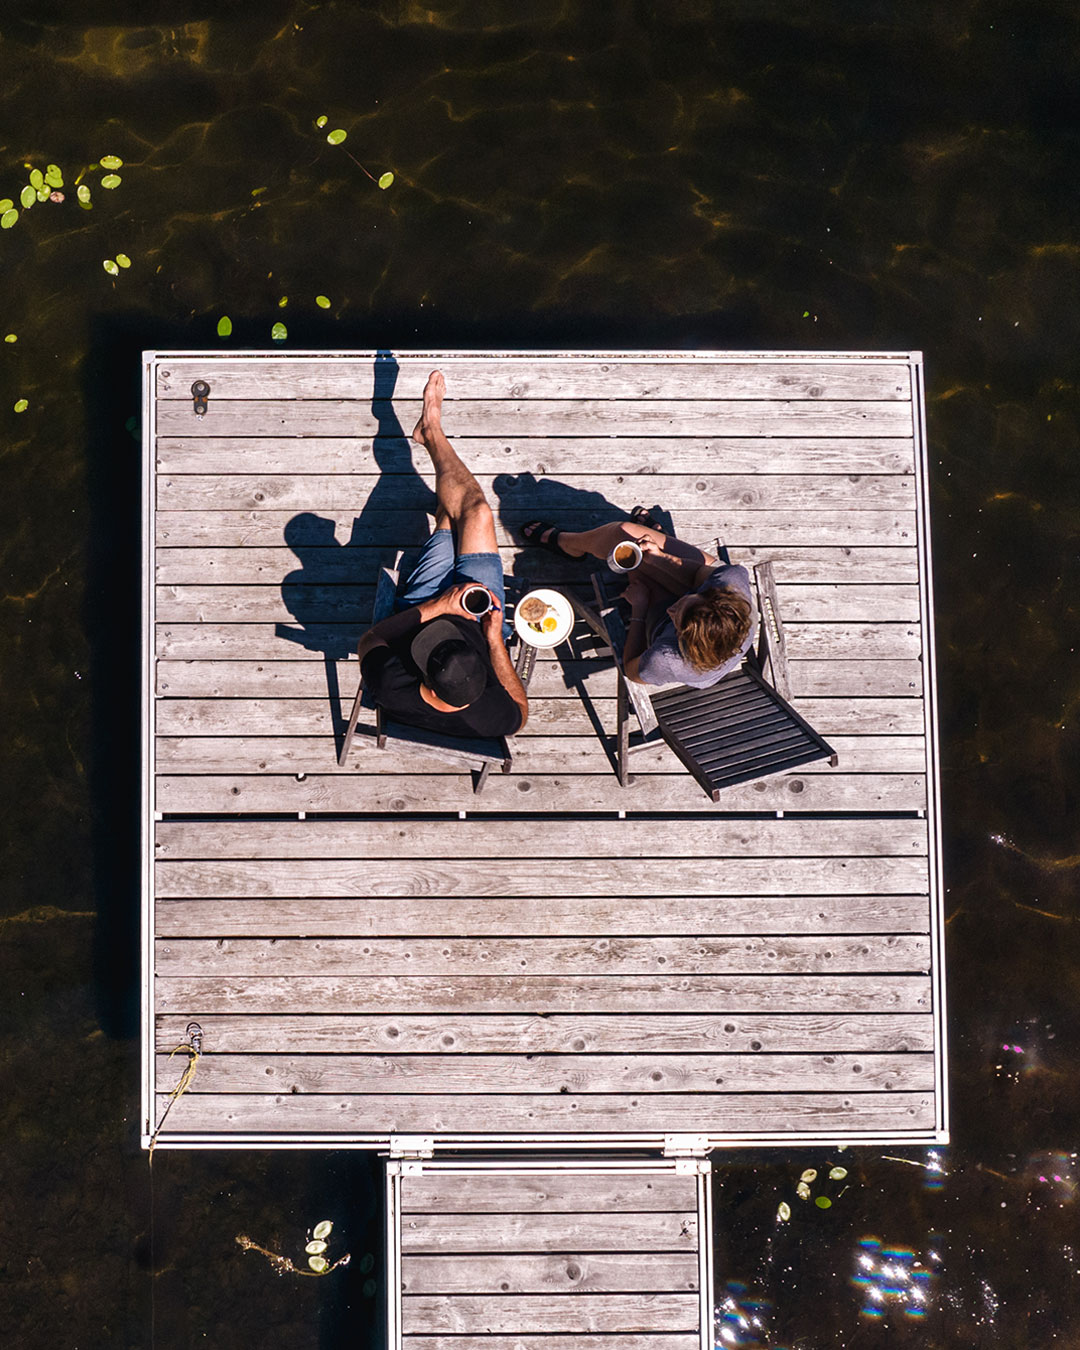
737, 730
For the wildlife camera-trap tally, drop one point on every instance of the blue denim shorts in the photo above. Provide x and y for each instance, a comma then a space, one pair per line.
440, 567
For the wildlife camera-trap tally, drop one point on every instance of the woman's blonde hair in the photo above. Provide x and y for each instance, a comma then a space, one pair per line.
712, 630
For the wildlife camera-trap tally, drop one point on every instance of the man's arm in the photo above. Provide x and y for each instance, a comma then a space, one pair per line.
501, 664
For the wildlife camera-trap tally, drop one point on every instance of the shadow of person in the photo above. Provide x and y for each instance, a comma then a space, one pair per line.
330, 594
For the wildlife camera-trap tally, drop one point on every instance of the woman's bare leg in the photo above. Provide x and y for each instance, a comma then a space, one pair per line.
668, 567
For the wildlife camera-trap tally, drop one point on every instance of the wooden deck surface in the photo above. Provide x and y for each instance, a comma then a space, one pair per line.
362, 961
513, 1259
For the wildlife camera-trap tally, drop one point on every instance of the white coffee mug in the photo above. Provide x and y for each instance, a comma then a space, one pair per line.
624, 557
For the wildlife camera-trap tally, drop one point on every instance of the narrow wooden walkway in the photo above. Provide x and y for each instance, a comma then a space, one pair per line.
365, 963
542, 1253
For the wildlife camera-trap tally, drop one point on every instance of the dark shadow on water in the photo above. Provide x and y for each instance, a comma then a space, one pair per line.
322, 594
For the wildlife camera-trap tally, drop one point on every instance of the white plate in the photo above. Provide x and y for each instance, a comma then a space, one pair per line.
563, 612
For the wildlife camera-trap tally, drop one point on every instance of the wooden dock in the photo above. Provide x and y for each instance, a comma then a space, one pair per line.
569, 963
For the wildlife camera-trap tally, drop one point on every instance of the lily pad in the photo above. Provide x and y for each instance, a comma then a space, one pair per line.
54, 177
823, 1202
279, 332
111, 267
802, 1190
43, 194
22, 405
322, 301
6, 204
315, 1248
257, 192
336, 137
319, 1264
783, 1212
809, 1175
9, 218
37, 179
837, 1173
83, 193
11, 337
28, 196
224, 326
323, 1229
111, 180
385, 180
367, 1263
111, 162
123, 260
283, 302
320, 122
369, 1288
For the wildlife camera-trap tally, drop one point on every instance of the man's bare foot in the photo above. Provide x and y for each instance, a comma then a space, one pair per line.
431, 417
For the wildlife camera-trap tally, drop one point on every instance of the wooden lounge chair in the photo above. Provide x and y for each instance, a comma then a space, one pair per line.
478, 754
739, 729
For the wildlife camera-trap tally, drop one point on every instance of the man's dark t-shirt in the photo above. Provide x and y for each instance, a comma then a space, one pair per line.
393, 681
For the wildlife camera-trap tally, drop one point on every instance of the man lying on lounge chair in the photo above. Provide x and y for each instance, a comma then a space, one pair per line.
433, 664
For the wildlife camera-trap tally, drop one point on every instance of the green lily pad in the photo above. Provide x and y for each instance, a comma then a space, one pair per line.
28, 196
43, 194
111, 267
123, 260
323, 1229
11, 337
783, 1212
283, 302
369, 1288
37, 179
336, 137
320, 122
823, 1202
110, 162
318, 1264
837, 1173
8, 219
22, 405
385, 180
6, 205
111, 180
83, 193
224, 326
315, 1248
367, 1263
322, 302
54, 177
279, 332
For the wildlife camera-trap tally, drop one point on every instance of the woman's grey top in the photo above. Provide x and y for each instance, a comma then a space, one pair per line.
663, 663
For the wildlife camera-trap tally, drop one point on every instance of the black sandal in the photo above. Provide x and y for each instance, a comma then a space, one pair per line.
532, 532
640, 515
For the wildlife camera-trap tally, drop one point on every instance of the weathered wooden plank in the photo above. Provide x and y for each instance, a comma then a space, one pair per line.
526, 1273
545, 1341
579, 876
576, 457
548, 417
652, 1231
622, 1312
540, 376
628, 1033
546, 1192
547, 840
451, 957
503, 916
792, 1113
401, 995
597, 791
438, 1074
832, 716
541, 755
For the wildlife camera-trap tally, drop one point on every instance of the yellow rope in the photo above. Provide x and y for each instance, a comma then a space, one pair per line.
186, 1080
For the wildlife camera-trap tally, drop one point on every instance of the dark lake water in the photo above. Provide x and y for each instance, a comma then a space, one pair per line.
679, 174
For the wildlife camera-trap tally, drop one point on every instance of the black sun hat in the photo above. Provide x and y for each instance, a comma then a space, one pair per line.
450, 666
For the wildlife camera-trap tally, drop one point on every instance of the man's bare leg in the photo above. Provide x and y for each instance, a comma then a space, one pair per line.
462, 505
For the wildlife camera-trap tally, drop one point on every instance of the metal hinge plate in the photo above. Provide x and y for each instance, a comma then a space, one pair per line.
686, 1145
412, 1146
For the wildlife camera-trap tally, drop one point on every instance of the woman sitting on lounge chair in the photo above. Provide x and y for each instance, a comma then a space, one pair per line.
692, 617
